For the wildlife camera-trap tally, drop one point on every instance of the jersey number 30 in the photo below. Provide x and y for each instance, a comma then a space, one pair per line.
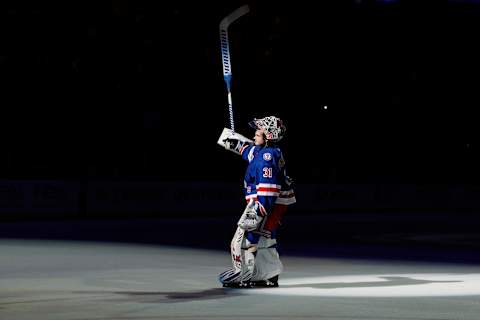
267, 172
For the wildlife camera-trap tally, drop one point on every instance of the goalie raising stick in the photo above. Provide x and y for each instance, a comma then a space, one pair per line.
268, 191
226, 63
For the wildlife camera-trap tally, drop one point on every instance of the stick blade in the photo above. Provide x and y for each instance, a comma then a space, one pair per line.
234, 16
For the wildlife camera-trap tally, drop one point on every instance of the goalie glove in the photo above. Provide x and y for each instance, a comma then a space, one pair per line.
250, 220
233, 141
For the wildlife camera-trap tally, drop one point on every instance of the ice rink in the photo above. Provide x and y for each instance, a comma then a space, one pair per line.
54, 279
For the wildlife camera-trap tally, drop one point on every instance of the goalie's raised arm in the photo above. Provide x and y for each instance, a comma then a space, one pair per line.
233, 141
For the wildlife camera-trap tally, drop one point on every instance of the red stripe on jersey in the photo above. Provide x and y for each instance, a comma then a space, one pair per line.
243, 149
267, 189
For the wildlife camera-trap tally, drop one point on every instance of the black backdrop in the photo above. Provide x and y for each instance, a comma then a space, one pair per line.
134, 89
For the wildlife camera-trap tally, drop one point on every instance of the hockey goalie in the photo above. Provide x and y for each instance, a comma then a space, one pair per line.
268, 192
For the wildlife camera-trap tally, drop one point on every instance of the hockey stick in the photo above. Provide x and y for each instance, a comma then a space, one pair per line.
227, 66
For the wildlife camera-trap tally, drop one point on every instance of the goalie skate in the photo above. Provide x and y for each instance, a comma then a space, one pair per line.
270, 283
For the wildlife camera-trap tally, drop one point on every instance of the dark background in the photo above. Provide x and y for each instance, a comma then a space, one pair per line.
127, 90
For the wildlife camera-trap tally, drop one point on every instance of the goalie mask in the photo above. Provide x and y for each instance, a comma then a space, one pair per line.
272, 127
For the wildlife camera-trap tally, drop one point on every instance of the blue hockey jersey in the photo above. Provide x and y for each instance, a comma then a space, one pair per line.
266, 180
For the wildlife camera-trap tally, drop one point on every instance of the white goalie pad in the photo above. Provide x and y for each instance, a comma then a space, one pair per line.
242, 260
251, 261
234, 275
232, 141
267, 260
240, 271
